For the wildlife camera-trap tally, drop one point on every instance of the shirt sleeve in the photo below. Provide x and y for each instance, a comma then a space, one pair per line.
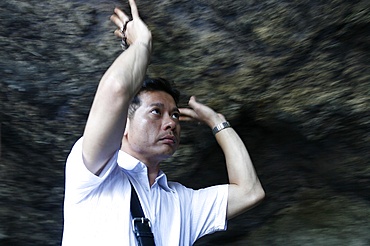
202, 211
209, 208
79, 181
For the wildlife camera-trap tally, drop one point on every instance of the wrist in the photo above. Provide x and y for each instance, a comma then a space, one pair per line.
145, 44
215, 120
221, 126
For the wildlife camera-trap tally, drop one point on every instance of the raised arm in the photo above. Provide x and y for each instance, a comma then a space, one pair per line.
245, 190
107, 119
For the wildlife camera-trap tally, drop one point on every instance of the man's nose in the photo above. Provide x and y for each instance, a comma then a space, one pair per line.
170, 123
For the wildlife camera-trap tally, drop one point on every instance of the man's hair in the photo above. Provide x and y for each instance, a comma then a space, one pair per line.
153, 84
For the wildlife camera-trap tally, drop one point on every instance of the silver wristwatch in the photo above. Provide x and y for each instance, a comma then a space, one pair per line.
220, 127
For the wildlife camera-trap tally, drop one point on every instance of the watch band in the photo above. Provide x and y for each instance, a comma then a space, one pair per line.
220, 127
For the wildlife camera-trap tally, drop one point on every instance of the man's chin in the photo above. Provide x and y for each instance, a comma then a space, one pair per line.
169, 153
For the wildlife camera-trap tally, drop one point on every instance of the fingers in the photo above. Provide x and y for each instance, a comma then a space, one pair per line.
130, 29
192, 111
187, 114
118, 33
134, 11
200, 113
200, 108
117, 21
121, 15
119, 18
186, 118
192, 102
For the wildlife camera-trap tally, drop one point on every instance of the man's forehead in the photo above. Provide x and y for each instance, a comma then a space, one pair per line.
157, 98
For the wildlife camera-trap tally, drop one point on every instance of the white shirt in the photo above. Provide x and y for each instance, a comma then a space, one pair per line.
97, 208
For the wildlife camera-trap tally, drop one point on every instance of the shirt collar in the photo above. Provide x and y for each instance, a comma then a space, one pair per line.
132, 164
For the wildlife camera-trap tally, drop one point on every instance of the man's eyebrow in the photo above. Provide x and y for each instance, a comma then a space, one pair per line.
161, 105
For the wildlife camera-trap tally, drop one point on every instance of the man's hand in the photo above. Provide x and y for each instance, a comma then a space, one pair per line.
134, 30
201, 113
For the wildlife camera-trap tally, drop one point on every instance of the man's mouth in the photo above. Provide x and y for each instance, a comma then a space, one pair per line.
168, 139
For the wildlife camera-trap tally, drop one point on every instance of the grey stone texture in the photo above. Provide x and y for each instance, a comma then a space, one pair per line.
292, 77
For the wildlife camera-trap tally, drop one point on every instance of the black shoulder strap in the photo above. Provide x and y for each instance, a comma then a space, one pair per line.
136, 209
140, 224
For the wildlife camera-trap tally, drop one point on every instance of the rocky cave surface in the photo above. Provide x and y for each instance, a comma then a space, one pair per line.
292, 77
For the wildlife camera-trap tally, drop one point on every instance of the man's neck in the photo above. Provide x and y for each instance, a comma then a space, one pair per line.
152, 174
151, 164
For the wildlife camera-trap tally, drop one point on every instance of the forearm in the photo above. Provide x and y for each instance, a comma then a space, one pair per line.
239, 165
127, 72
245, 189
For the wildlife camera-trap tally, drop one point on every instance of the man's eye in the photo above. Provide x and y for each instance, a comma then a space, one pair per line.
155, 111
176, 115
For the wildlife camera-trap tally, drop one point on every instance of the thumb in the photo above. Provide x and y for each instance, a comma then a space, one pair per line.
192, 101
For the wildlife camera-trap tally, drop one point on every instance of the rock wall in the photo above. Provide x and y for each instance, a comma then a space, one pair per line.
292, 77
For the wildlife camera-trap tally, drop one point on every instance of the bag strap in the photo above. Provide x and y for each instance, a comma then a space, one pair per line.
140, 224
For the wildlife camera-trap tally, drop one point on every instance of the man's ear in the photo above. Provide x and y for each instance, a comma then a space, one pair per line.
127, 126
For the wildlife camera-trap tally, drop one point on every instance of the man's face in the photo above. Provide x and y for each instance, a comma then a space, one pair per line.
153, 133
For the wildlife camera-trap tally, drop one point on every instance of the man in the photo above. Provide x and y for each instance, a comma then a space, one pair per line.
131, 128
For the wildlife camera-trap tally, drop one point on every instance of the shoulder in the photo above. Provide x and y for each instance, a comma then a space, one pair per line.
176, 186
180, 189
183, 191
